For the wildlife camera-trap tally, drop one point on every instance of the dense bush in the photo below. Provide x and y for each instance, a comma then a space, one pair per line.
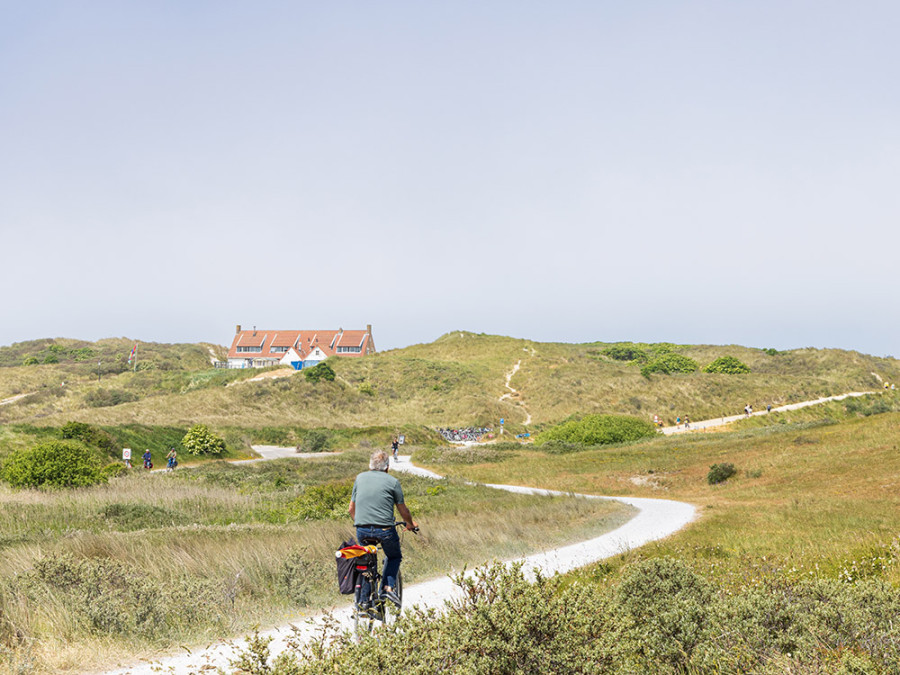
321, 371
668, 363
727, 365
661, 617
199, 440
89, 435
315, 441
58, 464
625, 352
598, 430
321, 502
719, 473
30, 361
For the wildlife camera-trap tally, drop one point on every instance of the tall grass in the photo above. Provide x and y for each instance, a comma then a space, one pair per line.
226, 536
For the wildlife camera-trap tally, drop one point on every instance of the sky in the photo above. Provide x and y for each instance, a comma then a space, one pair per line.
690, 172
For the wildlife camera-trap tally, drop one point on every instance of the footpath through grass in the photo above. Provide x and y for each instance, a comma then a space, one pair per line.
817, 498
137, 567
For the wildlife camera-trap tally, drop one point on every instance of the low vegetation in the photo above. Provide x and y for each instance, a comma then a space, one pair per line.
593, 430
660, 617
147, 561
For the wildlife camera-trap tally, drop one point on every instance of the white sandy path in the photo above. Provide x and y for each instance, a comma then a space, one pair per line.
655, 519
721, 421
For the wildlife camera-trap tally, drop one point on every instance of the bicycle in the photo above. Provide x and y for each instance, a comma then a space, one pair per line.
373, 606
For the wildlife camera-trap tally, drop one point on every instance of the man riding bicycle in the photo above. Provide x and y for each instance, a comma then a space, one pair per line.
372, 502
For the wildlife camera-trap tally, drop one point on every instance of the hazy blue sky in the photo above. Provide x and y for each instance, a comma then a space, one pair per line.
715, 172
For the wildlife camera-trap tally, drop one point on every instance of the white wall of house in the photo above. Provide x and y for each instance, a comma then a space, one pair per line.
289, 356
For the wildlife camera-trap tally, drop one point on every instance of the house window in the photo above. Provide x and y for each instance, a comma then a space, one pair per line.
245, 350
349, 350
279, 350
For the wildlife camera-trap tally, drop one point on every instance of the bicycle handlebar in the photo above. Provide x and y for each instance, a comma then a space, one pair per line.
415, 530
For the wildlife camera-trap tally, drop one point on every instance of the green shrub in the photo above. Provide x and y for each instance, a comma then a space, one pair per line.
51, 358
89, 435
868, 405
322, 502
113, 471
625, 352
727, 365
199, 440
298, 577
321, 371
598, 430
668, 363
771, 351
30, 361
664, 607
366, 388
315, 441
719, 473
58, 464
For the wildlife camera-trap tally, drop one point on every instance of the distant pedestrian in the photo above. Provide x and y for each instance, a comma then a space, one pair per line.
748, 410
687, 422
678, 421
769, 408
395, 447
171, 460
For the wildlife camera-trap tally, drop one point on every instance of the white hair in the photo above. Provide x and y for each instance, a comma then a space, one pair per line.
380, 461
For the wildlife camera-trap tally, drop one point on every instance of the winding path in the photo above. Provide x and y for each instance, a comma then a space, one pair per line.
722, 421
655, 519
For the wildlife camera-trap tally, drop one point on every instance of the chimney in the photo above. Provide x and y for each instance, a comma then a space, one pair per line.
237, 329
254, 331
369, 329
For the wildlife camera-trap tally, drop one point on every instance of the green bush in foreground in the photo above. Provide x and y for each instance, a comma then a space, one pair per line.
661, 617
199, 440
59, 464
727, 365
668, 363
719, 473
598, 430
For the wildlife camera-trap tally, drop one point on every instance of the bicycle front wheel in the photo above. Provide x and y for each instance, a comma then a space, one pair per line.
392, 611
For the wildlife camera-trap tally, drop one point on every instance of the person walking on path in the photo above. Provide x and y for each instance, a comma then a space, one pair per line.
372, 502
395, 447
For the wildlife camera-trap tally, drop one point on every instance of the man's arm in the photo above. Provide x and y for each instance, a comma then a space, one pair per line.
352, 509
406, 515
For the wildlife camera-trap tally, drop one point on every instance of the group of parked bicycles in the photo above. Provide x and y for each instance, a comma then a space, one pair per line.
467, 434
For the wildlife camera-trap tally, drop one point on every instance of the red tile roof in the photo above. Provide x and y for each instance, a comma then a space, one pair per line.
302, 340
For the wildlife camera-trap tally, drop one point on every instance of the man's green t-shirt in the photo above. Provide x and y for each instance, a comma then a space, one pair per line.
375, 493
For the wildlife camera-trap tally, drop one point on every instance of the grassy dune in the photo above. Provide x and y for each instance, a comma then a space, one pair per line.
456, 380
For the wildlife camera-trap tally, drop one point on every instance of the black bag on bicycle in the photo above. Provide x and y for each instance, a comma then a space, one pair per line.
352, 560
